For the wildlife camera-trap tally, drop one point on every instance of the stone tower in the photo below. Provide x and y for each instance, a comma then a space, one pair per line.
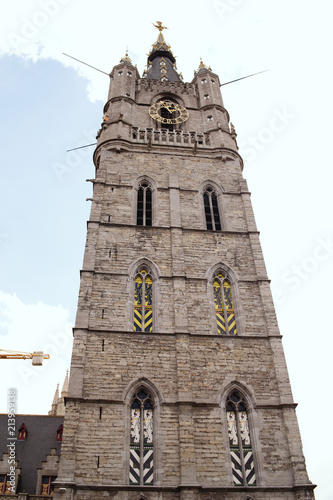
178, 386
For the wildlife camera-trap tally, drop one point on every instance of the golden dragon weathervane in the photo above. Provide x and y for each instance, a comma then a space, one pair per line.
159, 26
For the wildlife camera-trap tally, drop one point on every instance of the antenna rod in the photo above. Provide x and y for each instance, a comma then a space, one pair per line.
242, 78
86, 64
87, 146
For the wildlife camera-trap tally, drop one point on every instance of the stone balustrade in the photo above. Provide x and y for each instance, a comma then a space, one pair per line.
165, 136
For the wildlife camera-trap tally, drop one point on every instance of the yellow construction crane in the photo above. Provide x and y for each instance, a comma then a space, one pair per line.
36, 356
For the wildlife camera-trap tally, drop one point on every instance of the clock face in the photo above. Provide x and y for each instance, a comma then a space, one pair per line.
168, 112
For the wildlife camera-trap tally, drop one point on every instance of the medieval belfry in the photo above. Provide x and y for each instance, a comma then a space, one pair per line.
178, 384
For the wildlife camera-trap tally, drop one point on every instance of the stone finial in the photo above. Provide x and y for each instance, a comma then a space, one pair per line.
203, 66
126, 58
56, 396
64, 390
53, 410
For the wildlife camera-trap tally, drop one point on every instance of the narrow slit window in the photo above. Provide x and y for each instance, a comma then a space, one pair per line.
141, 439
242, 462
144, 205
224, 306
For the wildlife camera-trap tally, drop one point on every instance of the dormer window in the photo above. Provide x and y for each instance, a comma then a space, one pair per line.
206, 96
204, 80
23, 432
5, 484
120, 73
59, 432
47, 487
129, 73
213, 81
209, 118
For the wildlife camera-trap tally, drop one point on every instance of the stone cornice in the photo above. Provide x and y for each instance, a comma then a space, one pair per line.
130, 186
121, 145
177, 488
244, 279
237, 338
167, 228
203, 404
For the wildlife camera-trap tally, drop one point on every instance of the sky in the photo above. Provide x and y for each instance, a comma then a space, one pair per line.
50, 103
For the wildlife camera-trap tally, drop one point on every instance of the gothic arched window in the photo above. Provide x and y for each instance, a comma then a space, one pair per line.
141, 438
143, 301
224, 306
243, 473
144, 205
212, 214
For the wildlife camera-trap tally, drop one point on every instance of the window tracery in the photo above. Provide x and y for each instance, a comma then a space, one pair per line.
141, 438
143, 301
242, 462
211, 207
224, 305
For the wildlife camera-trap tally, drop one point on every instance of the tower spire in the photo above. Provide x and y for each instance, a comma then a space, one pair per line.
161, 63
53, 410
64, 390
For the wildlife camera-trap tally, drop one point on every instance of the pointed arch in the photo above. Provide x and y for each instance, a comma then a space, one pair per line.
224, 298
211, 201
135, 384
143, 296
145, 201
